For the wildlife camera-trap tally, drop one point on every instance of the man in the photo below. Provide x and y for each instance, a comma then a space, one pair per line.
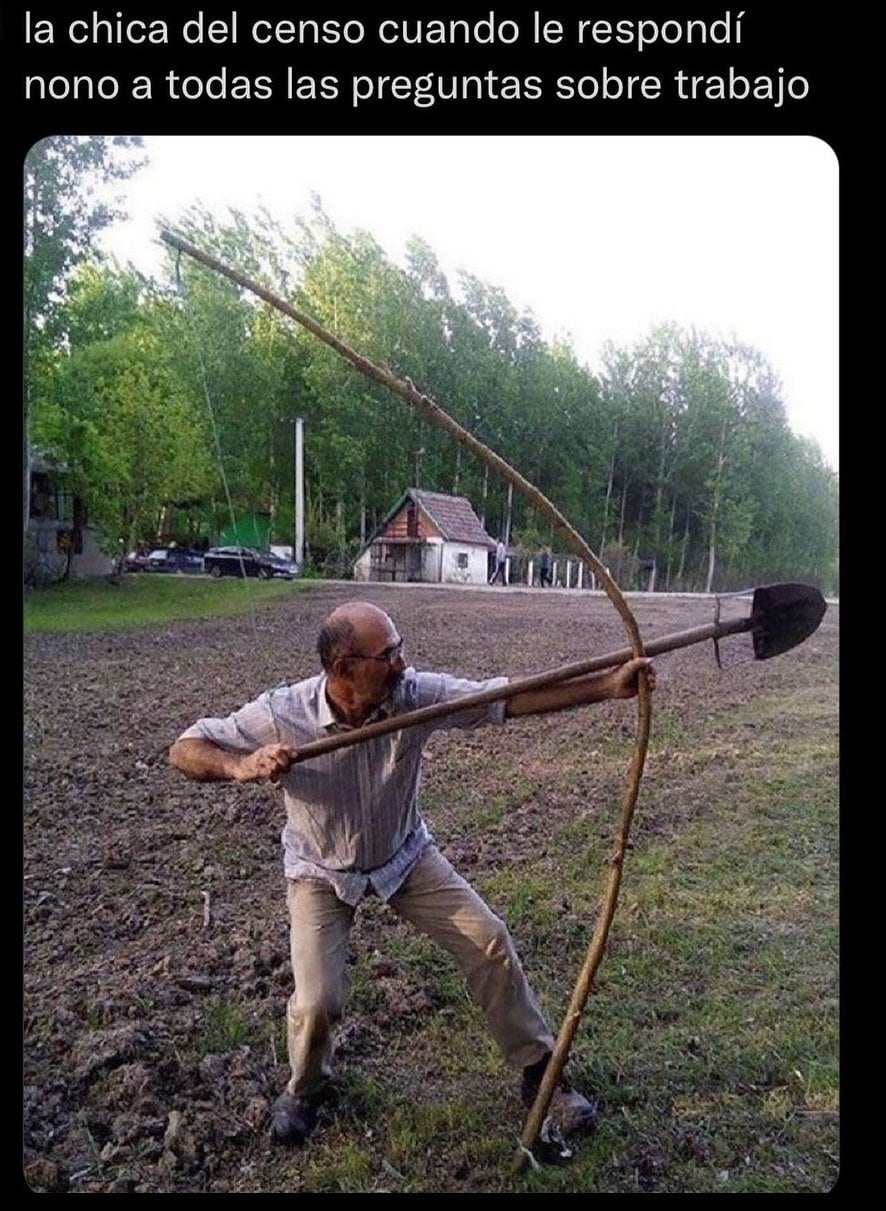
354, 827
501, 556
545, 567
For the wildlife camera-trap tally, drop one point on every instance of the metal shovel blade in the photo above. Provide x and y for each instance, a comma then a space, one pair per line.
783, 615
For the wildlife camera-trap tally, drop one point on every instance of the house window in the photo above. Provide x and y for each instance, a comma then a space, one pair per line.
461, 559
412, 522
42, 502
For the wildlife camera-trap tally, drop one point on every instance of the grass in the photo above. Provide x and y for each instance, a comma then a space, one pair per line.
139, 600
711, 1036
225, 1027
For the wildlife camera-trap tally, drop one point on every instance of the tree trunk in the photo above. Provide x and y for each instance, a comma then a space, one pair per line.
609, 490
621, 517
659, 493
681, 572
670, 544
637, 535
712, 554
715, 509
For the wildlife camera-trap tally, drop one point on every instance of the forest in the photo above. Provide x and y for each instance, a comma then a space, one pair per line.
171, 402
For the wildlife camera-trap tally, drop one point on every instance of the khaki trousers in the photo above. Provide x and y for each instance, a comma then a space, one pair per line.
438, 902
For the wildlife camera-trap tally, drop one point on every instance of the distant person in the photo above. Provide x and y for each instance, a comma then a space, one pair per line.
354, 828
545, 567
501, 557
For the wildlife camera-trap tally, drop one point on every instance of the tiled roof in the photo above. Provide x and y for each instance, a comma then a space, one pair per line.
453, 516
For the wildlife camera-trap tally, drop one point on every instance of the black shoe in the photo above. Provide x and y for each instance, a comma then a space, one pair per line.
292, 1118
569, 1110
572, 1112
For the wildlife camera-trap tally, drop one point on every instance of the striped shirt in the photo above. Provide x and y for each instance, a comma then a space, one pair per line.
353, 816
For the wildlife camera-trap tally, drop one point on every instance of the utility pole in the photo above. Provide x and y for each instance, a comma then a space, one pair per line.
298, 550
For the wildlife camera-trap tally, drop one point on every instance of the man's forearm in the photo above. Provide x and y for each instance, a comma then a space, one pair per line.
204, 761
579, 692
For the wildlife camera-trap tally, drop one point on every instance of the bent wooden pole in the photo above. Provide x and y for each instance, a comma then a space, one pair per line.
435, 415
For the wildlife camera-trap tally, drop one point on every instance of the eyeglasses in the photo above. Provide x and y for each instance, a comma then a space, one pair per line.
389, 656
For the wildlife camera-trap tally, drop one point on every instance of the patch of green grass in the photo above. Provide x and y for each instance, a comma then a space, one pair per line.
670, 730
478, 811
140, 600
526, 900
426, 963
340, 1165
225, 1027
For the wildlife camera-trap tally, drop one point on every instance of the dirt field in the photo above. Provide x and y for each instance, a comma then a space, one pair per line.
154, 914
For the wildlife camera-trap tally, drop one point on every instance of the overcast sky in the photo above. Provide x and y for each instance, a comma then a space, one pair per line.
600, 237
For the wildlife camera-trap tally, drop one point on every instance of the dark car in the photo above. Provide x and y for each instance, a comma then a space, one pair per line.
174, 559
282, 566
238, 561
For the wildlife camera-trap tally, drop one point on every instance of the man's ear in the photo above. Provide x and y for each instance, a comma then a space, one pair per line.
341, 667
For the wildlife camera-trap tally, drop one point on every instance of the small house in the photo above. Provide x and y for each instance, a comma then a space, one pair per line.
58, 538
427, 537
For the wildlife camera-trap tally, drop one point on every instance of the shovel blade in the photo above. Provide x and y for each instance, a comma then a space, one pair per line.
783, 615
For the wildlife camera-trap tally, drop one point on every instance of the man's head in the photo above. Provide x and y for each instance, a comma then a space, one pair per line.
360, 650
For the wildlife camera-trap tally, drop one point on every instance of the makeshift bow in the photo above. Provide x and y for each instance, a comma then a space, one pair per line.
436, 416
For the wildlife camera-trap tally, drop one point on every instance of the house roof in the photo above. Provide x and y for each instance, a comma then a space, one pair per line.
39, 460
453, 517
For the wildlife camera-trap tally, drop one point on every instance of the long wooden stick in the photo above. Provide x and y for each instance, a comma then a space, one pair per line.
436, 416
520, 685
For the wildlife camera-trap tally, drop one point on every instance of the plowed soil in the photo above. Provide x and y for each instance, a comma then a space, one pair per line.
153, 907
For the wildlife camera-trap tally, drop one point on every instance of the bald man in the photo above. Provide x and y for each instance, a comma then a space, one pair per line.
354, 827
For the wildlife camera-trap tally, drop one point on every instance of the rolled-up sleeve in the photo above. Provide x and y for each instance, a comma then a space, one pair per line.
244, 731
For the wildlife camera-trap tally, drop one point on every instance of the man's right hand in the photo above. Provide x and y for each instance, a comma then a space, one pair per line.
266, 764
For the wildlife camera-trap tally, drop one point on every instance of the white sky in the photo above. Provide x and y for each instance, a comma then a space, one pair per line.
600, 236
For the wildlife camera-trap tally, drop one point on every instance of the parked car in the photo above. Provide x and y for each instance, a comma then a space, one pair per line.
282, 566
135, 561
238, 561
174, 559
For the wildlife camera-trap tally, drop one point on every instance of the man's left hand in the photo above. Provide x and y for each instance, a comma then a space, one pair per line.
625, 681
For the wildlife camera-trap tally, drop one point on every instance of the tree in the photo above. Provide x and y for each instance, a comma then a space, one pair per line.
680, 452
115, 414
66, 204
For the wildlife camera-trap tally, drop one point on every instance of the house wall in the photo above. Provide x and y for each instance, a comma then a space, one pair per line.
361, 565
440, 564
51, 513
42, 536
476, 571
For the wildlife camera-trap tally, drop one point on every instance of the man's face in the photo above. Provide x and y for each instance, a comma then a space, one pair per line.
375, 663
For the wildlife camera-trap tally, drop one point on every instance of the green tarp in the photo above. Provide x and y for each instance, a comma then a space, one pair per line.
248, 532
